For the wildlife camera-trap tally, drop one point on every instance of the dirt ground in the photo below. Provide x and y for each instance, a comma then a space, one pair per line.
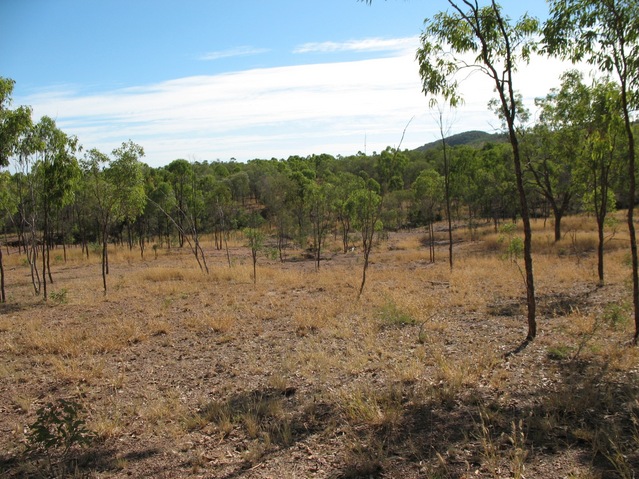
182, 374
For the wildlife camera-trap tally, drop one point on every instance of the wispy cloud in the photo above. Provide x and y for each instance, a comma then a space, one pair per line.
232, 52
366, 45
275, 112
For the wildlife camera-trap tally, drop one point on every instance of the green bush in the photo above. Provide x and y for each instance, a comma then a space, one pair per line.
59, 427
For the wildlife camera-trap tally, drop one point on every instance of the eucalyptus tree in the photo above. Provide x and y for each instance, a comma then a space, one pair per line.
117, 187
496, 179
602, 156
56, 174
319, 203
345, 183
255, 237
365, 206
8, 207
240, 186
224, 214
429, 190
181, 174
390, 167
301, 181
277, 196
554, 144
605, 33
449, 38
443, 130
161, 201
13, 125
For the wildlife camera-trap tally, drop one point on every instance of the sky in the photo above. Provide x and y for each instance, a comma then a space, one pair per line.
209, 80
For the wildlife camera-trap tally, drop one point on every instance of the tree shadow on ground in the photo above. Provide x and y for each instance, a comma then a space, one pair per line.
77, 463
274, 419
590, 414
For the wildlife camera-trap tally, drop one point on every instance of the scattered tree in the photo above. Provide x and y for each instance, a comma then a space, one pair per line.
500, 46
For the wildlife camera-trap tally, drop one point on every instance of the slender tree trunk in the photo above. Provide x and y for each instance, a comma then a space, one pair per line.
254, 256
432, 241
3, 298
600, 249
105, 262
631, 211
447, 194
558, 216
226, 245
528, 261
367, 250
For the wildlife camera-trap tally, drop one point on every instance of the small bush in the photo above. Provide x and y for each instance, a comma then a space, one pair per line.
59, 427
59, 297
391, 315
615, 315
558, 353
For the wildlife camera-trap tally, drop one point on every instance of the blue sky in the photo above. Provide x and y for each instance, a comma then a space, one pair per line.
215, 79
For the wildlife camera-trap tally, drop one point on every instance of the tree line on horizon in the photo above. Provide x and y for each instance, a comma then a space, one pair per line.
577, 155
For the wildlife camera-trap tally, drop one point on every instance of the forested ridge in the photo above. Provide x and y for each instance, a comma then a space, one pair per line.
58, 194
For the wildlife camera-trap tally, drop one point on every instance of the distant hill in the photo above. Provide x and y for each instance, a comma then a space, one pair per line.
470, 138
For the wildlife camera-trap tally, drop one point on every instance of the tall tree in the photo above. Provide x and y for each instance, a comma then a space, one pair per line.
13, 125
602, 156
117, 186
429, 189
365, 205
181, 175
8, 206
56, 172
605, 33
319, 202
552, 146
499, 46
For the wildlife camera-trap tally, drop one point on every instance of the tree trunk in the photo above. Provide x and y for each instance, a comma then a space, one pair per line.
104, 264
600, 249
631, 221
3, 298
525, 216
558, 215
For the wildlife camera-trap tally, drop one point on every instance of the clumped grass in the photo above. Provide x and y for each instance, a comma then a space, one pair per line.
373, 406
560, 352
218, 322
259, 414
390, 315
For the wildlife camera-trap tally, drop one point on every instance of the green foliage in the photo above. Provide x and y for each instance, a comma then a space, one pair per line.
59, 297
13, 123
514, 244
616, 314
391, 315
560, 352
447, 37
58, 427
255, 238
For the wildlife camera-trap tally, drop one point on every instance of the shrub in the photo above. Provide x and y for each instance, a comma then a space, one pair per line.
58, 427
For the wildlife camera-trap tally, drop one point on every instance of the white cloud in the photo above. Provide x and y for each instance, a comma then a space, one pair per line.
276, 112
233, 52
366, 45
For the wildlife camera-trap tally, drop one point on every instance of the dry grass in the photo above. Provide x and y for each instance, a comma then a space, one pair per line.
294, 374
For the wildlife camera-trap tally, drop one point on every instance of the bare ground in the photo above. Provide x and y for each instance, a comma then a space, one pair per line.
183, 374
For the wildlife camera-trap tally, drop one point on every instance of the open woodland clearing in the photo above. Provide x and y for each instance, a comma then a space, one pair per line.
183, 374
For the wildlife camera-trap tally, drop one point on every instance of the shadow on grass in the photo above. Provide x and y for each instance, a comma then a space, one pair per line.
591, 415
273, 419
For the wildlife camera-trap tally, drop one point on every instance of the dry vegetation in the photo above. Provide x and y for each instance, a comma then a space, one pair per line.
182, 374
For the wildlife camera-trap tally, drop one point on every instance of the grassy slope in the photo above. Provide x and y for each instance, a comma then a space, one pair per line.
188, 375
